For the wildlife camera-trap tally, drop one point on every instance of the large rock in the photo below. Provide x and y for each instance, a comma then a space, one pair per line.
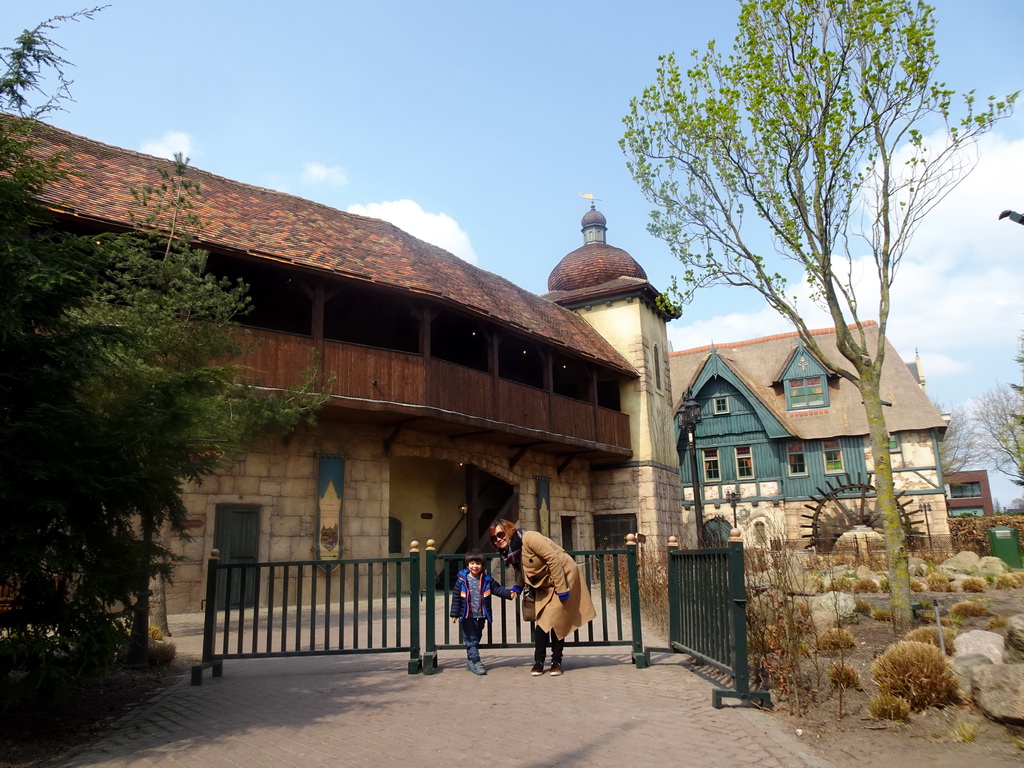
980, 641
962, 562
1014, 639
998, 691
963, 668
917, 567
992, 566
837, 605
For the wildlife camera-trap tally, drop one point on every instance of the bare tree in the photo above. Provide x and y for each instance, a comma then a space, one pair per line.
822, 140
961, 447
997, 416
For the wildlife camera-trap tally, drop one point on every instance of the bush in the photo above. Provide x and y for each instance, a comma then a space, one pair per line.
862, 586
881, 614
842, 677
937, 582
835, 640
916, 585
887, 707
842, 584
969, 608
916, 672
930, 635
162, 653
973, 584
155, 633
862, 606
997, 622
1006, 581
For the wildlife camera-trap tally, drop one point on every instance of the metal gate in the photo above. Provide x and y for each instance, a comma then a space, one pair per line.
707, 614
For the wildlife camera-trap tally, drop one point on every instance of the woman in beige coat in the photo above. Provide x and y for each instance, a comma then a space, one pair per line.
562, 598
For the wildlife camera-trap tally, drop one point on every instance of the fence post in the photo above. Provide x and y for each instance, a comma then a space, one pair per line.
415, 663
209, 622
673, 592
430, 646
640, 657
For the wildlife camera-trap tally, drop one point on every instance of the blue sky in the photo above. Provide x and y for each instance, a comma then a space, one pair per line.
477, 126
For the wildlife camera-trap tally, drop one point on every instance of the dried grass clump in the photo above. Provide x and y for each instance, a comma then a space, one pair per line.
916, 585
916, 672
843, 677
837, 639
1007, 581
887, 707
162, 653
842, 584
997, 622
156, 633
881, 614
969, 608
973, 584
930, 635
937, 582
864, 586
862, 606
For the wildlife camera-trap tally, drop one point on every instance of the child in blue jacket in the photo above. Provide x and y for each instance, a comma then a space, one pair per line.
471, 605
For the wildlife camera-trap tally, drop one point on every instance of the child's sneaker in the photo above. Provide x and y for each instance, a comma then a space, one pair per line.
477, 668
556, 670
538, 670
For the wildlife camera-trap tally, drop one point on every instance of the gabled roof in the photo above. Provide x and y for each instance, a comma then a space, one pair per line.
273, 226
756, 363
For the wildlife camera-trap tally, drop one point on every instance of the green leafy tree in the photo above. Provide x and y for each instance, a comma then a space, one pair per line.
115, 389
812, 152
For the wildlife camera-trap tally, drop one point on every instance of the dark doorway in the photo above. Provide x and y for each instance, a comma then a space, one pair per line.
236, 533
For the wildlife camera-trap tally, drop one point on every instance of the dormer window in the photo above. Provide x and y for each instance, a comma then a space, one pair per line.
804, 381
721, 405
807, 392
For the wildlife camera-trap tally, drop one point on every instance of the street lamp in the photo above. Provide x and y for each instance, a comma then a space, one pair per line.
1012, 216
689, 418
733, 497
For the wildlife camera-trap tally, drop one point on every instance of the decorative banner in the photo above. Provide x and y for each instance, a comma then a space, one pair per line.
330, 484
544, 505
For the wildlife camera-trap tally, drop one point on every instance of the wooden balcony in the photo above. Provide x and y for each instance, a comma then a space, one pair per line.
384, 386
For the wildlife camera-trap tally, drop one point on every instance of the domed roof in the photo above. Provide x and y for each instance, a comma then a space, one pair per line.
596, 262
592, 265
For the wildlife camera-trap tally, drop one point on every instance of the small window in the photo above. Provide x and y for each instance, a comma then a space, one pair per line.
610, 531
806, 393
796, 459
657, 368
965, 490
721, 405
833, 453
894, 444
712, 467
744, 462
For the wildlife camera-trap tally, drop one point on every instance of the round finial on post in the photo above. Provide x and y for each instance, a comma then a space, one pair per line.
736, 535
630, 540
431, 544
414, 546
215, 554
673, 541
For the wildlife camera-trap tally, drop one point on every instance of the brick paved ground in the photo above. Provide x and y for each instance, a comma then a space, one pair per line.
367, 711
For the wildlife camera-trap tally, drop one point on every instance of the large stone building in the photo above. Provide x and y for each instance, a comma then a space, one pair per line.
788, 438
456, 397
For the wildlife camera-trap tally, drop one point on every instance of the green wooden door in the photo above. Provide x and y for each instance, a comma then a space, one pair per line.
236, 534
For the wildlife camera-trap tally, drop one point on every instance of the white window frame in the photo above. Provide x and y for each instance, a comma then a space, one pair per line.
749, 456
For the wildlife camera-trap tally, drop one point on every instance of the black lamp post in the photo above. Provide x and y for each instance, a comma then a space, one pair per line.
1012, 216
689, 418
733, 497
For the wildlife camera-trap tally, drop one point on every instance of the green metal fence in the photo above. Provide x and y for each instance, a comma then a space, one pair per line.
610, 575
302, 608
707, 614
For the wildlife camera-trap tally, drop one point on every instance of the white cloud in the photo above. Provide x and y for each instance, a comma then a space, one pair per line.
168, 145
318, 173
439, 229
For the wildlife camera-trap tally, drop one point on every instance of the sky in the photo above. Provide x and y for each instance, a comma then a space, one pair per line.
477, 126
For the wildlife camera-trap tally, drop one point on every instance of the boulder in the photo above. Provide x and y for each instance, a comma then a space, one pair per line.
998, 690
1014, 639
994, 566
963, 668
863, 572
836, 604
980, 641
962, 562
917, 567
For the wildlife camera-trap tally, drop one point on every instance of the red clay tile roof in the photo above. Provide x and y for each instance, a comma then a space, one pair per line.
273, 225
593, 264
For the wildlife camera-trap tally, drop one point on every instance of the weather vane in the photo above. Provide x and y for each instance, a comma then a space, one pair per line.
590, 196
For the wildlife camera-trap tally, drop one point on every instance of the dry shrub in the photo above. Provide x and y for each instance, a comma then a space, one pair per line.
862, 586
916, 672
842, 584
997, 622
973, 584
652, 578
1006, 581
162, 653
916, 585
836, 639
843, 677
887, 707
937, 582
862, 606
156, 633
881, 614
969, 608
930, 635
